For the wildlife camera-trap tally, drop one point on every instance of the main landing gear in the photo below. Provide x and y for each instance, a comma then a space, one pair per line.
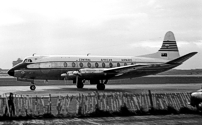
32, 87
79, 83
101, 85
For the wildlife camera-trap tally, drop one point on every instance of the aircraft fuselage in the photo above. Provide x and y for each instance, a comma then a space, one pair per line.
51, 67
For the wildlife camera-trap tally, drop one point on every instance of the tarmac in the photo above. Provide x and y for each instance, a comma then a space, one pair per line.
132, 120
56, 90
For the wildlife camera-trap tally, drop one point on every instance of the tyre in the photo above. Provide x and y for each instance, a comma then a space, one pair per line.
100, 87
32, 87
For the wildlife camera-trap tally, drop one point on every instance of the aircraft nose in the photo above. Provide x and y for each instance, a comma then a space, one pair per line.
11, 72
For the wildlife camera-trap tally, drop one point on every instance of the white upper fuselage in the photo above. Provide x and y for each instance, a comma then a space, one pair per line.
66, 61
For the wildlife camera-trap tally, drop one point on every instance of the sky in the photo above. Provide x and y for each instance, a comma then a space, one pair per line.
98, 27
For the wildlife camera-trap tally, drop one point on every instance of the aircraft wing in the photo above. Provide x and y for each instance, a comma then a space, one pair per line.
123, 69
93, 72
140, 69
152, 68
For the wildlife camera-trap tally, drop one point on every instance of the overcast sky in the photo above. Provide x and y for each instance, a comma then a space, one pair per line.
98, 27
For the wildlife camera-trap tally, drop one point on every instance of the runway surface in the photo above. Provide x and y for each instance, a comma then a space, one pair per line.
72, 90
132, 120
56, 90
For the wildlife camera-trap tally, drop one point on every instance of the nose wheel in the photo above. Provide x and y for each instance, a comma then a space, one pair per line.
32, 87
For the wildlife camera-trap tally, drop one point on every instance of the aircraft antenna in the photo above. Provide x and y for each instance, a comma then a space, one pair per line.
33, 54
88, 54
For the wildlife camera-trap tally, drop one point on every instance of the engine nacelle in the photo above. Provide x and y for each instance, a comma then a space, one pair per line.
86, 73
70, 75
91, 73
96, 71
25, 80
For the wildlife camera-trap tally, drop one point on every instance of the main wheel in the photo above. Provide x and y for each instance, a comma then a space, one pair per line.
79, 84
100, 86
32, 87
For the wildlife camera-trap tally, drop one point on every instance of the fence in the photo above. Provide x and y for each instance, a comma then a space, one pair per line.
24, 105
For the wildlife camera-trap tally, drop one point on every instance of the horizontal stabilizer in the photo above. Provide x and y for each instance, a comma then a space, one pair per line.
182, 58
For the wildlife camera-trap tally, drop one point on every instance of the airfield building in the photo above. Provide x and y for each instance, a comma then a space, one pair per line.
17, 62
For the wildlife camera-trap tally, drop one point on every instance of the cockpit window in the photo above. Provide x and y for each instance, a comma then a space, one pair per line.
27, 61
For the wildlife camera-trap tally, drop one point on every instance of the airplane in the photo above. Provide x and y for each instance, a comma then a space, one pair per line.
99, 69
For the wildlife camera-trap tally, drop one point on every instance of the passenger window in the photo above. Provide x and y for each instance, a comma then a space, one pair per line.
81, 64
103, 65
65, 64
89, 65
96, 65
73, 64
118, 64
110, 65
132, 63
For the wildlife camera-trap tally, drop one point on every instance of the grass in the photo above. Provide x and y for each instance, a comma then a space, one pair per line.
124, 111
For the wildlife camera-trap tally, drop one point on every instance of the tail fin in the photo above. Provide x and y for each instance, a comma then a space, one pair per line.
168, 50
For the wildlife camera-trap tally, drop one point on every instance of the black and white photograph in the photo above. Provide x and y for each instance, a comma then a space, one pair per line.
101, 62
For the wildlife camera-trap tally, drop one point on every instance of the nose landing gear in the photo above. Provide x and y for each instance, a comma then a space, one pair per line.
32, 87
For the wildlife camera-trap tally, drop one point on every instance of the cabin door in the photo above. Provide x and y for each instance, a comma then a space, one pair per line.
45, 67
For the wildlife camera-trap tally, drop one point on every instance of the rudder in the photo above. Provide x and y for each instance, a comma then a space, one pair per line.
168, 50
169, 43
